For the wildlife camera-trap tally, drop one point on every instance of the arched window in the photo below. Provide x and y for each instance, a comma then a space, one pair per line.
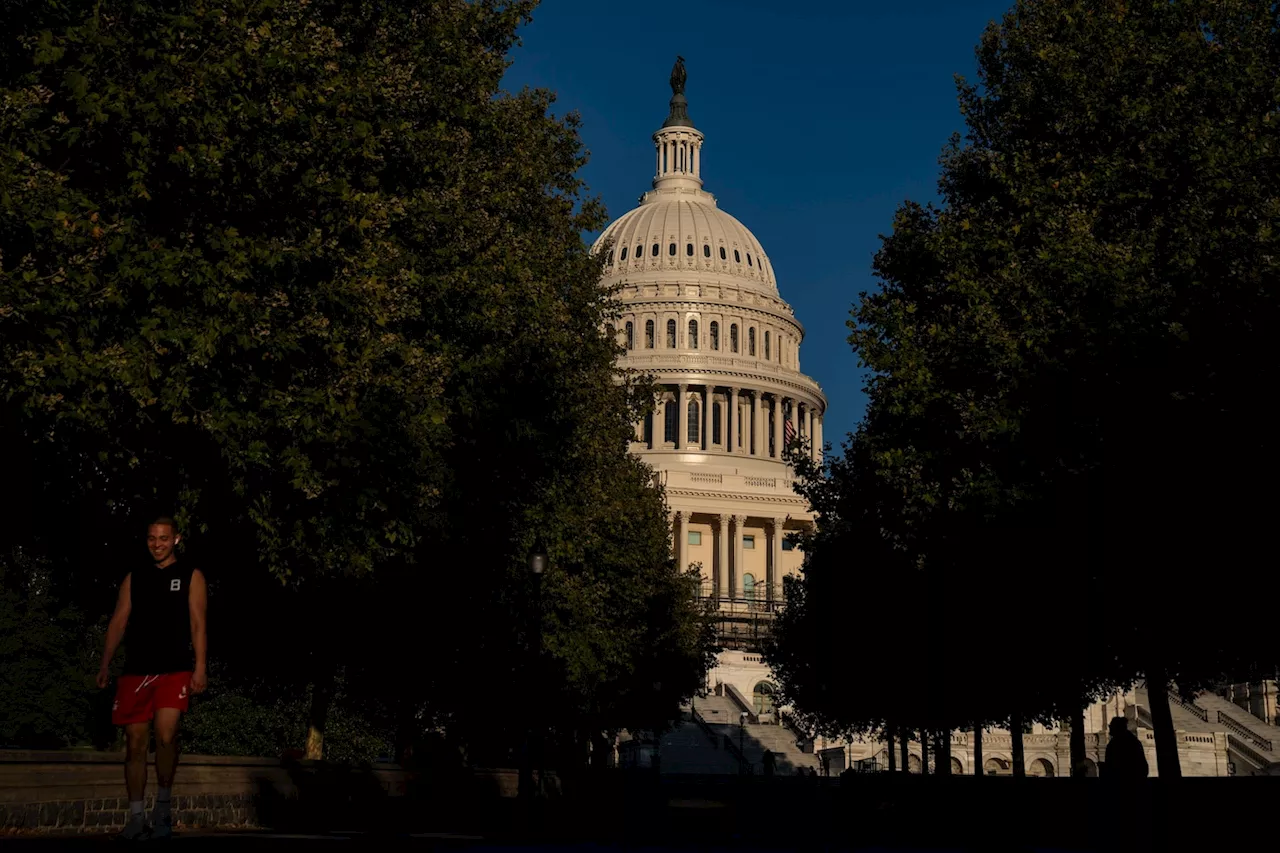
749, 260
733, 337
671, 249
693, 334
631, 335
610, 257
672, 425
737, 258
1040, 767
706, 250
763, 693
688, 249
995, 767
648, 334
671, 334
957, 769
715, 335
655, 250
715, 424
766, 346
723, 256
749, 586
624, 253
694, 422
751, 341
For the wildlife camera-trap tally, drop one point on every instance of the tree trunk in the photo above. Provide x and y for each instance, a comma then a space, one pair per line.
406, 731
888, 738
1019, 760
924, 752
318, 716
1077, 742
977, 751
904, 745
1167, 763
943, 751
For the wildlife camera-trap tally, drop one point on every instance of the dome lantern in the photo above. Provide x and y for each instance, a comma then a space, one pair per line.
678, 145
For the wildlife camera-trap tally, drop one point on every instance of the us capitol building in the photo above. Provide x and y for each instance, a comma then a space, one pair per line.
702, 313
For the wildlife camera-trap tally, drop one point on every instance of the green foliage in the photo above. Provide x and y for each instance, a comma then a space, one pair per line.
47, 695
1065, 424
302, 272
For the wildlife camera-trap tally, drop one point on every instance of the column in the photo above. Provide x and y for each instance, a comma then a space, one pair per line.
679, 539
708, 402
757, 438
794, 417
777, 427
775, 560
733, 412
817, 438
682, 410
722, 552
658, 418
739, 521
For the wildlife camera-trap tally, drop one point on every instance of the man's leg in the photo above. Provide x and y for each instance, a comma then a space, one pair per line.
137, 738
166, 766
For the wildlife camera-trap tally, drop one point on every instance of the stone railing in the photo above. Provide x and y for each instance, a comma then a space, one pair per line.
762, 482
1234, 727
707, 478
1242, 747
1189, 706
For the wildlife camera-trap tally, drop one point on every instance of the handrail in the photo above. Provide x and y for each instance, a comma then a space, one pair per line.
1249, 752
1189, 706
1235, 726
706, 729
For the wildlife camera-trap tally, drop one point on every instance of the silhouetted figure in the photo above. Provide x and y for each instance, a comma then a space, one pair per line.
1125, 757
768, 761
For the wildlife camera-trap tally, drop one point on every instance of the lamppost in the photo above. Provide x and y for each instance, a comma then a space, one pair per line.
742, 734
537, 563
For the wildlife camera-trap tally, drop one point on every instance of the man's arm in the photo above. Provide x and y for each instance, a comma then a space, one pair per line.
115, 629
198, 602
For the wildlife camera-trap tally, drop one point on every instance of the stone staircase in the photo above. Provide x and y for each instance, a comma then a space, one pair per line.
723, 717
1249, 739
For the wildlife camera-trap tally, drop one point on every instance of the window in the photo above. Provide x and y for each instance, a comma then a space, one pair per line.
672, 424
723, 256
766, 346
694, 422
748, 586
655, 250
624, 253
671, 334
695, 537
749, 260
715, 335
749, 543
610, 258
688, 249
715, 424
737, 258
751, 341
706, 250
631, 335
671, 249
788, 544
762, 696
648, 334
693, 334
733, 338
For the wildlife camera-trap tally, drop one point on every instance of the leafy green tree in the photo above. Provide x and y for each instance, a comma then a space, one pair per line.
1070, 347
302, 271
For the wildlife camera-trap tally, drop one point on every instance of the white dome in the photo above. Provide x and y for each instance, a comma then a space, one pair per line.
681, 230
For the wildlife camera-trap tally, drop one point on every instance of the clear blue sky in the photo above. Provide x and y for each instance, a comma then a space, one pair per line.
820, 119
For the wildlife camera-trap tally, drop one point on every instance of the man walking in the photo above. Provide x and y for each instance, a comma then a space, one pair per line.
163, 606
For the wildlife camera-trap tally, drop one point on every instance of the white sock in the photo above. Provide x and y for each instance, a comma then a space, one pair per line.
135, 808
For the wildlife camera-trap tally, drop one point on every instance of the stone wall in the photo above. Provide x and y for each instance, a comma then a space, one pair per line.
81, 791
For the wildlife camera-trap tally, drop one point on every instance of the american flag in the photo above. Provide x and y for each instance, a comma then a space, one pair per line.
789, 430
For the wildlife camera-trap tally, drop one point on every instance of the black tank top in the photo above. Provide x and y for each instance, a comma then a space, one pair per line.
158, 637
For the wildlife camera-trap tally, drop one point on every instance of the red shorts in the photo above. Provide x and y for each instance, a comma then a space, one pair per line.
138, 696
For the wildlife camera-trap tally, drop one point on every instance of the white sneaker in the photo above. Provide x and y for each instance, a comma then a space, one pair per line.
135, 830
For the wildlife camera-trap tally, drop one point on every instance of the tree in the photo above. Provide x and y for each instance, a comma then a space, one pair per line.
301, 271
1067, 350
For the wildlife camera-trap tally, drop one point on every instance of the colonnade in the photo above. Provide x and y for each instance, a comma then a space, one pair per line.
751, 421
725, 577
